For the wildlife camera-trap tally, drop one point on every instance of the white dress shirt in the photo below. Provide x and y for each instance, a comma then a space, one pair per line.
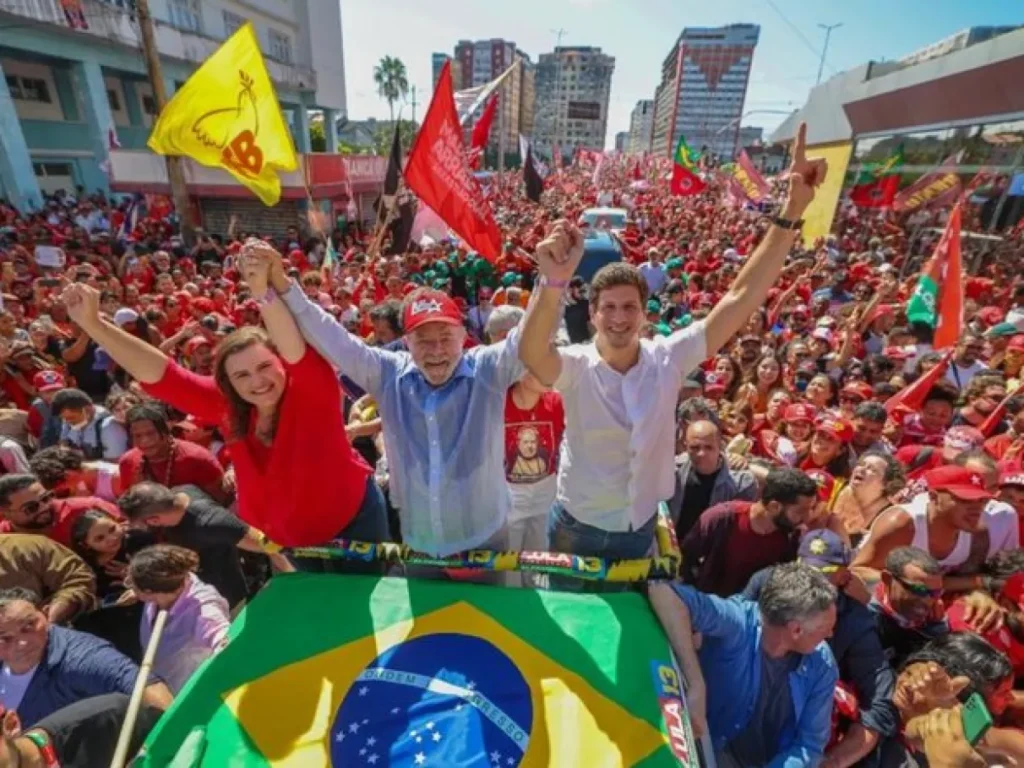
618, 454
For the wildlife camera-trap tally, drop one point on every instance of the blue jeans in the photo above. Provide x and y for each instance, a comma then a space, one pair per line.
567, 534
369, 524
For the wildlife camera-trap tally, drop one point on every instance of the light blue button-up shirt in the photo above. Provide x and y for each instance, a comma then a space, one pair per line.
445, 445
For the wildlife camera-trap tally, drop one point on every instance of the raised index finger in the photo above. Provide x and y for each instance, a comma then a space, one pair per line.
800, 145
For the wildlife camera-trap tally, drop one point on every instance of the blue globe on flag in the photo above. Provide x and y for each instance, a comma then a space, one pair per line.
435, 700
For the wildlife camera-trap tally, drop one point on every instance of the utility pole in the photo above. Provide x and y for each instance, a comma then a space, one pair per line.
556, 137
175, 172
828, 33
413, 103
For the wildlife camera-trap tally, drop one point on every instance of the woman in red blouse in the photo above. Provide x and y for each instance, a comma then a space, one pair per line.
279, 403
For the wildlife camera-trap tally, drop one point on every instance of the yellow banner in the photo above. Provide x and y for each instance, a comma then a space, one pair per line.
227, 116
819, 214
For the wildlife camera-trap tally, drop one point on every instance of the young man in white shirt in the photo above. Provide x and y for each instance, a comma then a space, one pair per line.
620, 391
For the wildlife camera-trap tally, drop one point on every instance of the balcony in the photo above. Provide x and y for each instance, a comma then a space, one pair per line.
107, 21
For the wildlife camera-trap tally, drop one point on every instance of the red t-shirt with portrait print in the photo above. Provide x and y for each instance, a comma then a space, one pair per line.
533, 437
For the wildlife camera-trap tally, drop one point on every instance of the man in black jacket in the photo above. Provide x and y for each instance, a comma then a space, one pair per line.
856, 647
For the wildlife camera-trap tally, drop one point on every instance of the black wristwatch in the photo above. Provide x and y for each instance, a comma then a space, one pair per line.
778, 221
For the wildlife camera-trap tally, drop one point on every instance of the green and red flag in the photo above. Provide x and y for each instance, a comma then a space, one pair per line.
685, 180
330, 670
938, 299
877, 184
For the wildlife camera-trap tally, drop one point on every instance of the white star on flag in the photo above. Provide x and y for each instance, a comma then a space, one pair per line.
495, 756
436, 736
354, 728
420, 759
340, 737
363, 691
371, 741
430, 725
372, 759
362, 751
395, 710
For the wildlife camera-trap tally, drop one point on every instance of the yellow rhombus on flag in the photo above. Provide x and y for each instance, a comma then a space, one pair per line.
227, 116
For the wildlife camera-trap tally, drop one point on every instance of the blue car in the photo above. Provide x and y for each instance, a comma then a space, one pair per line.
599, 248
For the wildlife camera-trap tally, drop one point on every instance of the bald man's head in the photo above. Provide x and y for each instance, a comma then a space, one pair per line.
704, 446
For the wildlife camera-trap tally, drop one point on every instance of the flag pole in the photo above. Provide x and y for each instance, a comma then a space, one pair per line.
135, 702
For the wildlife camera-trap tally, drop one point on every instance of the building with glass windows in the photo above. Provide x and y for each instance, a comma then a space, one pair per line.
966, 104
75, 85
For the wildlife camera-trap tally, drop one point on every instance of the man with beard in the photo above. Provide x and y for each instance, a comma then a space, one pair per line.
965, 365
27, 507
734, 540
748, 352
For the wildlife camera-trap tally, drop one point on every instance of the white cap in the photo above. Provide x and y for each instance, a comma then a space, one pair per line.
124, 315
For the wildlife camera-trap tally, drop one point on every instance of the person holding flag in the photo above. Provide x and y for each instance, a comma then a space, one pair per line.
620, 392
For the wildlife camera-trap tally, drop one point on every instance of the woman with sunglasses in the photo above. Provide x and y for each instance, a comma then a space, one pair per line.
299, 480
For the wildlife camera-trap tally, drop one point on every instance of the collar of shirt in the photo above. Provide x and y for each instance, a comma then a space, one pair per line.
462, 370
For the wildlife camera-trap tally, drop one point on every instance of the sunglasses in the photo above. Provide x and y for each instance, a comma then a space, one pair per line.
918, 590
34, 507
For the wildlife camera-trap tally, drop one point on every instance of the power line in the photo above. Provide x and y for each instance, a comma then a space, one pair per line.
796, 31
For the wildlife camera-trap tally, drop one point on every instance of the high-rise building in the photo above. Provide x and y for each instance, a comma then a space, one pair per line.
703, 86
621, 140
437, 62
479, 62
574, 84
641, 122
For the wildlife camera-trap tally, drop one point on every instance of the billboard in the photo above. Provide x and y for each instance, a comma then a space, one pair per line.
584, 110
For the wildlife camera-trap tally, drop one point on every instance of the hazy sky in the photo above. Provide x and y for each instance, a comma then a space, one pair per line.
640, 33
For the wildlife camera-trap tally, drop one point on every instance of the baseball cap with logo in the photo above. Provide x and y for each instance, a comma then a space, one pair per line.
430, 307
48, 381
837, 429
800, 412
963, 438
1009, 478
823, 550
961, 482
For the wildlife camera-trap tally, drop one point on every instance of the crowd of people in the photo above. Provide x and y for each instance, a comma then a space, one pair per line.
179, 416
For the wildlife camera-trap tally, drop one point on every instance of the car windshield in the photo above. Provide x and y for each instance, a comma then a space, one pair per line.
605, 219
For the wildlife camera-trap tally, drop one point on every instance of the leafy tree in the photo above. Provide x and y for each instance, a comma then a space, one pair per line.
317, 137
392, 81
385, 131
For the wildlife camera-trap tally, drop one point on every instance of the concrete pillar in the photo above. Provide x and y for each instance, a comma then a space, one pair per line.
301, 124
132, 104
331, 129
98, 121
16, 175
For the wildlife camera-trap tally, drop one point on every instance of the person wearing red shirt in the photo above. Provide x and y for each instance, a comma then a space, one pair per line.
299, 480
159, 457
28, 507
534, 423
1009, 637
928, 427
918, 459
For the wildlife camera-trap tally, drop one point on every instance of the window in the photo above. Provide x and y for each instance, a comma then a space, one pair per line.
185, 15
280, 47
115, 102
28, 89
149, 105
232, 22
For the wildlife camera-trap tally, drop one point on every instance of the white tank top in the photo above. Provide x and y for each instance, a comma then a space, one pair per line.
918, 511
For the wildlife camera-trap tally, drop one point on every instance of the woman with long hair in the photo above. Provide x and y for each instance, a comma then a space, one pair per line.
760, 381
299, 480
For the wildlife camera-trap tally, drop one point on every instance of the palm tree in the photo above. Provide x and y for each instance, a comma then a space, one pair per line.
392, 82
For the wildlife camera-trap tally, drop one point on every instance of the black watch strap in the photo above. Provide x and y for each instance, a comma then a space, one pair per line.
782, 223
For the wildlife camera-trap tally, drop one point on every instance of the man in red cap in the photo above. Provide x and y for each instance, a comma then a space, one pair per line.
442, 408
43, 423
944, 522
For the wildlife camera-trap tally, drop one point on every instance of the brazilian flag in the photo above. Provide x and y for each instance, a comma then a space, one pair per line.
326, 670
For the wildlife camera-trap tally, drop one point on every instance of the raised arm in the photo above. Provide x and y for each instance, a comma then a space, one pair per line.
143, 361
557, 257
762, 268
257, 261
674, 616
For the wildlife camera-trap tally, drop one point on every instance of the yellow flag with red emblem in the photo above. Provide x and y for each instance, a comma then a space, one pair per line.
227, 116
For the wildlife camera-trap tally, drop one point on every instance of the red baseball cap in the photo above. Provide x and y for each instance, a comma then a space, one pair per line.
1016, 343
963, 483
195, 343
48, 381
430, 307
799, 412
1013, 589
838, 429
826, 483
860, 389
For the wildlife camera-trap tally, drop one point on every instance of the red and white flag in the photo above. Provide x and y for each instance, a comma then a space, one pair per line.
482, 132
436, 171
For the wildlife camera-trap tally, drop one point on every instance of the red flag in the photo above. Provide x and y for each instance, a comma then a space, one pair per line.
912, 396
437, 173
685, 182
482, 131
985, 176
750, 178
876, 194
949, 308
